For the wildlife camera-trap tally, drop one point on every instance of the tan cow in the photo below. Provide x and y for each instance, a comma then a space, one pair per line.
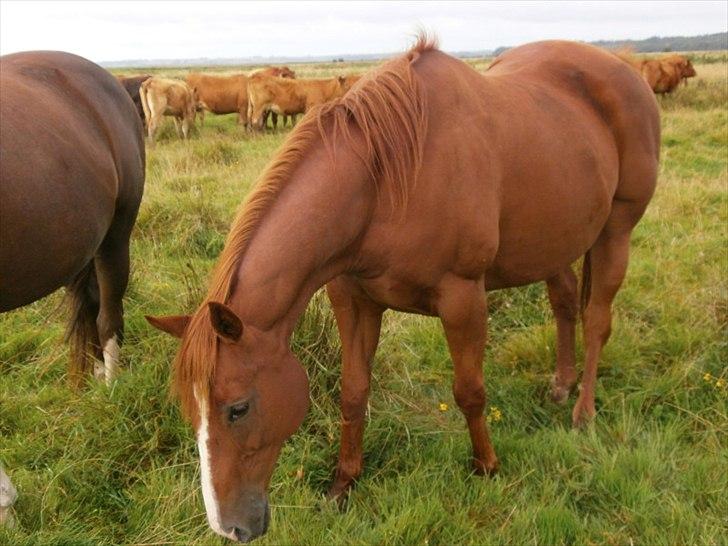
221, 94
288, 97
228, 94
274, 71
165, 97
664, 74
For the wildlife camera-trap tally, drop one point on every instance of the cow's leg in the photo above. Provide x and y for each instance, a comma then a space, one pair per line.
463, 311
358, 320
186, 127
562, 290
274, 120
177, 126
8, 494
152, 127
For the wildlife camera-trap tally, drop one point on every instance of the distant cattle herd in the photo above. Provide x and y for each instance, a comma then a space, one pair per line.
271, 92
262, 94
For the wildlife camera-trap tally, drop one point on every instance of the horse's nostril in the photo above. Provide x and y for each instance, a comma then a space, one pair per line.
242, 535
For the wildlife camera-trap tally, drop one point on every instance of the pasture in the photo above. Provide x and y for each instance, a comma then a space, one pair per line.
118, 466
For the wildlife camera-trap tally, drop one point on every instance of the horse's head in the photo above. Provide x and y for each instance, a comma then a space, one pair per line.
251, 398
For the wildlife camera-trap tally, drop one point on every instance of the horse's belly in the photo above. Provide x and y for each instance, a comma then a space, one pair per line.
537, 250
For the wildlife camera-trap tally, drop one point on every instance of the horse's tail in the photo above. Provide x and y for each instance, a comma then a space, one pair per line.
82, 333
585, 282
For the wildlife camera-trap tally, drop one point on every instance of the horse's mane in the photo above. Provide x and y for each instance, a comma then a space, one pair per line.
387, 107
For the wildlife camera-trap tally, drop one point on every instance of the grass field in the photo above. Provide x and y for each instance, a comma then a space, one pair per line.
118, 466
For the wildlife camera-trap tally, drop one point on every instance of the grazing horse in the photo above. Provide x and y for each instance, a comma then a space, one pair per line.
425, 186
71, 180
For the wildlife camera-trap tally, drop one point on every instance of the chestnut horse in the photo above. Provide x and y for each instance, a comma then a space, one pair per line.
425, 186
71, 180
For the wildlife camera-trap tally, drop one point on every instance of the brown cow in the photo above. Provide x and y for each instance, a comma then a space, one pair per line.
288, 97
274, 71
132, 85
221, 94
164, 97
663, 75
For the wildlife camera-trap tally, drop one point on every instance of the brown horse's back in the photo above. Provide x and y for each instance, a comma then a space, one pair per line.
522, 165
71, 173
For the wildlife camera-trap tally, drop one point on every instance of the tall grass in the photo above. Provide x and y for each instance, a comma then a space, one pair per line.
118, 466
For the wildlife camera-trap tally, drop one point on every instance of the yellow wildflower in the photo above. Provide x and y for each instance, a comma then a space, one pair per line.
443, 406
707, 377
720, 383
494, 415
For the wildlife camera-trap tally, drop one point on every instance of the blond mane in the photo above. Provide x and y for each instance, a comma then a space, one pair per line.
388, 108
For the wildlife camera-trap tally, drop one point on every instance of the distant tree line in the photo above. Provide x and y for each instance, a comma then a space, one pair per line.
704, 42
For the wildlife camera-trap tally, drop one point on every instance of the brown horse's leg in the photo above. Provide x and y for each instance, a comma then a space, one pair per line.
112, 272
463, 311
564, 303
358, 320
609, 257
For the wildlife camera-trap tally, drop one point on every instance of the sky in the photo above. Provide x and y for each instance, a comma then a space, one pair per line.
115, 31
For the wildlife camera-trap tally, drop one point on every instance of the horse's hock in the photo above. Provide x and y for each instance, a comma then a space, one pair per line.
7, 498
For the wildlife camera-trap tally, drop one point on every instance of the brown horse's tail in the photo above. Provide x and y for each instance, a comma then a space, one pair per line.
585, 282
83, 298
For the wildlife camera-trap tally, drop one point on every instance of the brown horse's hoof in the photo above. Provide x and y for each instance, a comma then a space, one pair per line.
482, 468
582, 415
339, 492
559, 394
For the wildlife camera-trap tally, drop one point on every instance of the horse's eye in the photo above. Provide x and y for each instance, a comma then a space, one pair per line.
237, 411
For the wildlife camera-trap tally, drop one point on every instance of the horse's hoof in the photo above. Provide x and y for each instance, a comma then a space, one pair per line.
582, 416
339, 493
482, 468
559, 394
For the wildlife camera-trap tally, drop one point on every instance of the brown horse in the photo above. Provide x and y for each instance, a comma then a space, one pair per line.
71, 180
425, 186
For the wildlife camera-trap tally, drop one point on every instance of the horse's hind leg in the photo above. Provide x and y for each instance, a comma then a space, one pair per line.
609, 257
358, 320
463, 311
562, 290
112, 271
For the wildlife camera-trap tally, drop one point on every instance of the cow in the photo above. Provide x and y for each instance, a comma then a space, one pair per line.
274, 71
287, 96
221, 94
166, 97
132, 85
663, 75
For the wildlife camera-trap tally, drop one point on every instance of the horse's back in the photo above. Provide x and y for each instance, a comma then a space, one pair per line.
522, 164
71, 168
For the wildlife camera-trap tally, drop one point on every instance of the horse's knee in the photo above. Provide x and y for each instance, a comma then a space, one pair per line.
354, 401
470, 397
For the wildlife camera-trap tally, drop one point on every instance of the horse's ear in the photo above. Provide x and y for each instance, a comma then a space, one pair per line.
226, 323
173, 324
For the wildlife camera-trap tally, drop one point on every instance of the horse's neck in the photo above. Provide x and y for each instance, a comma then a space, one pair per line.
303, 239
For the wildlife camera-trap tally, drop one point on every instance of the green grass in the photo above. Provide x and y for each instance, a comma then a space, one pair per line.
118, 466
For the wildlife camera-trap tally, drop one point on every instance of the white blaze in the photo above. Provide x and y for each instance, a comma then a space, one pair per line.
208, 490
111, 360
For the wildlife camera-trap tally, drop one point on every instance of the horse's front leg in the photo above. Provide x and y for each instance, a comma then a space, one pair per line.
463, 311
359, 320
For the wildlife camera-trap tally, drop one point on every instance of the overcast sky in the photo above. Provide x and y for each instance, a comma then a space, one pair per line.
113, 31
